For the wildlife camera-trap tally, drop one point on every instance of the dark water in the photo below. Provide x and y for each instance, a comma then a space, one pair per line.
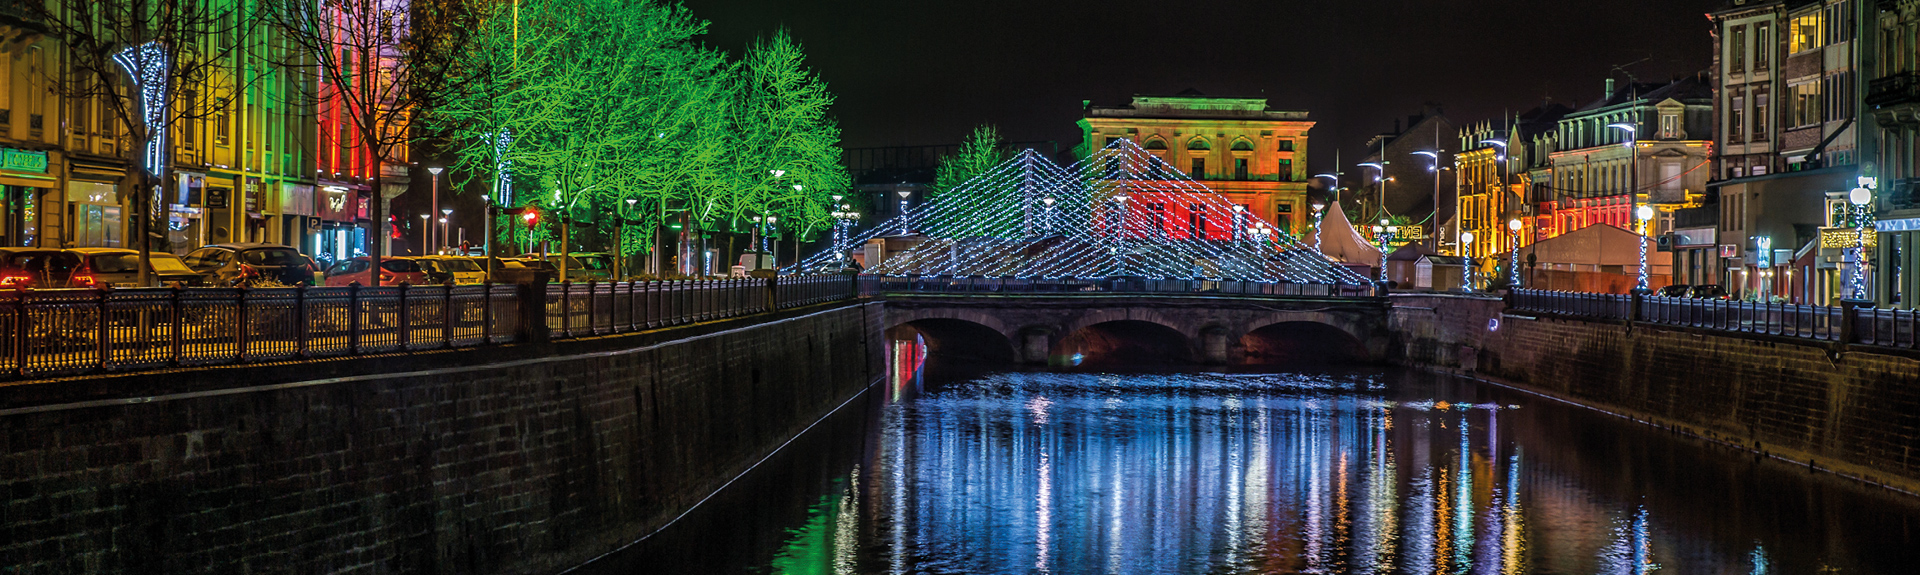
1362, 472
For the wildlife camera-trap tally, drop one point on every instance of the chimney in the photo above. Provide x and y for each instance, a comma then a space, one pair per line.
1609, 93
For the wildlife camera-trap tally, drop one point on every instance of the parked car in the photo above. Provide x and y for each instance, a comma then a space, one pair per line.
585, 266
120, 267
38, 268
463, 270
1709, 292
1676, 290
395, 270
251, 265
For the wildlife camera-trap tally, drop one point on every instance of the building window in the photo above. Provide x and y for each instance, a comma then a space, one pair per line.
1762, 45
220, 126
1156, 144
1240, 169
191, 101
1196, 221
1804, 34
1806, 104
1737, 49
1669, 125
1736, 125
1286, 144
1199, 171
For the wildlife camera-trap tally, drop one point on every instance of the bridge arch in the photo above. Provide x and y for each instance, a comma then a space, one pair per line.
1295, 341
957, 339
1123, 342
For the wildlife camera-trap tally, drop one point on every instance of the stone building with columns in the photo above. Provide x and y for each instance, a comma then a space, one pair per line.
1255, 156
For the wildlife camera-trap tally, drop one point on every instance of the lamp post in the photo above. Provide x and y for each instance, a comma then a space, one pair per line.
426, 233
1384, 234
1860, 197
904, 194
1500, 160
1382, 167
1435, 169
1513, 265
1466, 263
1633, 189
435, 208
445, 214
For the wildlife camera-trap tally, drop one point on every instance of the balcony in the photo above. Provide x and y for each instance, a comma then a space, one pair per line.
1901, 88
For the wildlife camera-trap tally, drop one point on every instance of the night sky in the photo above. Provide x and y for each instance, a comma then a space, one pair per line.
925, 71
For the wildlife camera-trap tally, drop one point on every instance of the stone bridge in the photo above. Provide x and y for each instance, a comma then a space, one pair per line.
1067, 329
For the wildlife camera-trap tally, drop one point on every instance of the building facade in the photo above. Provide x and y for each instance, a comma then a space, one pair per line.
1787, 120
1254, 156
1495, 185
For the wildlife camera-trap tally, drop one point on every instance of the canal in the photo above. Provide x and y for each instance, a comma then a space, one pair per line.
1375, 470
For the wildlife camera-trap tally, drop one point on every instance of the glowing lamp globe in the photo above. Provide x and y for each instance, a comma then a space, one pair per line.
1514, 225
1466, 237
1645, 213
1860, 196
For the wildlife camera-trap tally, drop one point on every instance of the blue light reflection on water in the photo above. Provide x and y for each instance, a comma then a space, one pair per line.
1378, 472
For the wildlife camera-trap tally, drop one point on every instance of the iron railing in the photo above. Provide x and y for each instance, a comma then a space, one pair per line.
1850, 324
871, 285
70, 331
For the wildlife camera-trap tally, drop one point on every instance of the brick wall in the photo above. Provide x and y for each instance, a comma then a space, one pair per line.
1848, 409
513, 459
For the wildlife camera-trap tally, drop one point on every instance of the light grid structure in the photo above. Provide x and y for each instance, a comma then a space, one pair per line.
1121, 212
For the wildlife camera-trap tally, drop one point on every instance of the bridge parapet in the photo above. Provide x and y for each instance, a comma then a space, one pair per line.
1213, 327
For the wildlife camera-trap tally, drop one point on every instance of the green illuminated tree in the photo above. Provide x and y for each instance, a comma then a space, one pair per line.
790, 161
979, 153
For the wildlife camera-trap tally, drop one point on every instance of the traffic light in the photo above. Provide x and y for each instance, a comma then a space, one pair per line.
530, 217
393, 227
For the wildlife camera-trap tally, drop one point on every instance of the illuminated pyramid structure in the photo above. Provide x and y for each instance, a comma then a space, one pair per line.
1121, 212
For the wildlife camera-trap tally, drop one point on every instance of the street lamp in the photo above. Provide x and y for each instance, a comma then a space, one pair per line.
445, 214
1384, 234
1633, 188
1513, 266
1466, 263
1435, 169
426, 233
436, 207
1046, 215
1860, 197
1319, 215
1382, 167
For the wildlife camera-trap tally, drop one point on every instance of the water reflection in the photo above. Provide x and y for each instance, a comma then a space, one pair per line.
1386, 472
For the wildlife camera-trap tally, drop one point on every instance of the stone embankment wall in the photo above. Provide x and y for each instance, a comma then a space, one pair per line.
512, 459
1848, 409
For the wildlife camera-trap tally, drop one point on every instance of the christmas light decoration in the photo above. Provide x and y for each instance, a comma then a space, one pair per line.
1119, 212
147, 65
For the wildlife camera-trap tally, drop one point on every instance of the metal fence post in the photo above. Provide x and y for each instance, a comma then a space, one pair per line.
446, 313
353, 318
102, 345
566, 308
486, 314
240, 327
300, 319
179, 322
21, 330
1849, 320
593, 299
406, 317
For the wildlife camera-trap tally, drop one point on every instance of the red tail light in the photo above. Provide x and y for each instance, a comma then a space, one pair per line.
247, 270
85, 280
15, 281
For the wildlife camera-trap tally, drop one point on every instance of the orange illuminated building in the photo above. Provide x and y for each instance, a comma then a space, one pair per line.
1255, 157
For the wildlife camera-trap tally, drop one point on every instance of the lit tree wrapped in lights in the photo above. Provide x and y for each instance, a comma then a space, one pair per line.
788, 164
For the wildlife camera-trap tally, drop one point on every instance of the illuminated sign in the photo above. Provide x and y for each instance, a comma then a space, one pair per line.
1841, 238
25, 161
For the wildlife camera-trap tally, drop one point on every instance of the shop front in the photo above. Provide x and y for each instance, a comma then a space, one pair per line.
298, 224
26, 176
187, 217
93, 214
339, 208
